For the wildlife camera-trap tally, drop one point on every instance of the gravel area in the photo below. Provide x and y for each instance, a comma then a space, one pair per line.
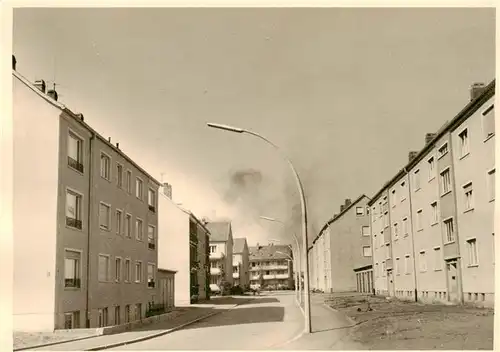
28, 339
393, 324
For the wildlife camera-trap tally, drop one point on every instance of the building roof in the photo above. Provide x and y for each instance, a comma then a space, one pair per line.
219, 230
333, 219
270, 252
78, 119
465, 113
239, 245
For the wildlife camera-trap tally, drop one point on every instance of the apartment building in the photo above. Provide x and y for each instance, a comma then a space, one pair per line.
84, 249
183, 242
436, 215
340, 256
241, 263
220, 254
274, 263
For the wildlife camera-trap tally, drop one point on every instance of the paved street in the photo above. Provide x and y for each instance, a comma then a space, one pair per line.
266, 322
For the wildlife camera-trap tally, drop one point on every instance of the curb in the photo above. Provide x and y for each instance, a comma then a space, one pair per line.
54, 343
123, 343
352, 321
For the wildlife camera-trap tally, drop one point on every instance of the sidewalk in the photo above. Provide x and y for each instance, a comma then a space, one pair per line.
189, 316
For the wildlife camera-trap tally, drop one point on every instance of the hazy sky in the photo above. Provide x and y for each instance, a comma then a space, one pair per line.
346, 93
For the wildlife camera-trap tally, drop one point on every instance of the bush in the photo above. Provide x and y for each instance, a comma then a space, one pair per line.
155, 309
236, 290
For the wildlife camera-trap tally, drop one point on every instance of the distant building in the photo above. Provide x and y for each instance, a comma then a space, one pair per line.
241, 263
433, 222
86, 254
221, 254
274, 263
340, 256
183, 246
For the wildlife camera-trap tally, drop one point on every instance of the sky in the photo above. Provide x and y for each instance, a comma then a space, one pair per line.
345, 93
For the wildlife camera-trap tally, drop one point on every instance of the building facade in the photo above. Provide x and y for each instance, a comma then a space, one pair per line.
274, 263
241, 263
433, 222
91, 249
183, 247
340, 256
220, 254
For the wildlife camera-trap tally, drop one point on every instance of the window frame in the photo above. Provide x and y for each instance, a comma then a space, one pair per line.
138, 281
136, 228
108, 178
442, 191
484, 115
78, 211
108, 274
128, 181
490, 175
466, 187
440, 154
118, 269
78, 267
128, 273
119, 224
80, 151
471, 254
431, 161
445, 230
101, 227
463, 151
120, 175
437, 251
139, 181
416, 180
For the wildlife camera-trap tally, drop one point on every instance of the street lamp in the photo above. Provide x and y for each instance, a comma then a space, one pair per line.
299, 280
307, 305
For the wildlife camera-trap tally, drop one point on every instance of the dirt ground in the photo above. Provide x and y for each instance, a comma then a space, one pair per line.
394, 324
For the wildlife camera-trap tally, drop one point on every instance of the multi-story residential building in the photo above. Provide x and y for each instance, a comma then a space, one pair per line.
340, 255
274, 263
241, 264
183, 242
221, 254
437, 213
84, 249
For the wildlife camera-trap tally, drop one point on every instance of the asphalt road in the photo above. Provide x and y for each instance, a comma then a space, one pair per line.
264, 323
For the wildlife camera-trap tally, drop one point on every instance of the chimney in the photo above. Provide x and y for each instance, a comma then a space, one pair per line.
342, 207
475, 90
167, 190
117, 145
40, 85
412, 155
14, 62
348, 202
109, 139
335, 215
53, 94
429, 137
80, 116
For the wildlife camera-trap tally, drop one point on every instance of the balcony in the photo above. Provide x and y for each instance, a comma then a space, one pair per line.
215, 271
217, 255
151, 283
71, 222
236, 275
72, 283
269, 267
152, 208
276, 276
75, 164
151, 245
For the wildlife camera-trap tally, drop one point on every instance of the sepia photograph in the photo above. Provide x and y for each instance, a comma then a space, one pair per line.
251, 178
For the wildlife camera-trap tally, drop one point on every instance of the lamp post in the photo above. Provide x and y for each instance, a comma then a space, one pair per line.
307, 303
299, 266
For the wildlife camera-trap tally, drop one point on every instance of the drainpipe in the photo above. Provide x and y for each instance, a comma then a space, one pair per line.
89, 223
412, 234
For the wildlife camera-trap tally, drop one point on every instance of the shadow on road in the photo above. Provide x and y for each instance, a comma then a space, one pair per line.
223, 301
262, 300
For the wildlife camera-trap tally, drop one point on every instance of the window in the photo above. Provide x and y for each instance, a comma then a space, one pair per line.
472, 251
448, 230
438, 262
152, 200
151, 275
127, 270
103, 268
384, 268
151, 237
419, 220
491, 184
104, 216
128, 180
464, 143
118, 222
119, 175
488, 122
397, 266
365, 230
386, 219
213, 249
138, 229
75, 152
468, 201
117, 315
105, 166
432, 168
138, 271
445, 182
434, 213
403, 191
387, 251
127, 313
416, 180
396, 230
422, 261
72, 260
367, 251
138, 188
103, 317
443, 150
73, 210
214, 265
360, 211
72, 320
407, 264
118, 269
405, 226
393, 198
128, 225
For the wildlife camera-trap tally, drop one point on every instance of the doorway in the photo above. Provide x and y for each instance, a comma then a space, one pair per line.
452, 272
